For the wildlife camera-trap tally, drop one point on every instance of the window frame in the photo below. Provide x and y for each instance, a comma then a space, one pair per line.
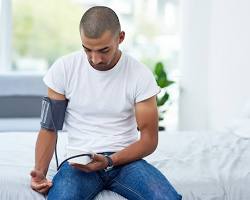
5, 35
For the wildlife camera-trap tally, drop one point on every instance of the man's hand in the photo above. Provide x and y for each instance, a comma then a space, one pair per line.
98, 162
39, 182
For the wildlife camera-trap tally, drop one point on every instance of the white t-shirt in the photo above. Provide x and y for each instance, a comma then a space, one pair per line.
100, 115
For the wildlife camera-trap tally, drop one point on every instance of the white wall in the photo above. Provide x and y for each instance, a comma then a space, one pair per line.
195, 20
215, 62
230, 60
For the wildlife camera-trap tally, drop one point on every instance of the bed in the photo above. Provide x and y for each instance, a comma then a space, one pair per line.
202, 165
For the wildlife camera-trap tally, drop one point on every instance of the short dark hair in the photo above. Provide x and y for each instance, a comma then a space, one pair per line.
98, 19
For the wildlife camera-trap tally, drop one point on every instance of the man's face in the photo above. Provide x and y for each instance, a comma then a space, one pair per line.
103, 52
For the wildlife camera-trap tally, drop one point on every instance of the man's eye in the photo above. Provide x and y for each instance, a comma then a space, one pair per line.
106, 51
87, 50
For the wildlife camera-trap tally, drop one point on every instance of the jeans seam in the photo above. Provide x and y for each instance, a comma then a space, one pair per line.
97, 188
91, 194
128, 188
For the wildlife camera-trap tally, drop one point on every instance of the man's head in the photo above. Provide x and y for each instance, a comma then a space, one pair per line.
101, 35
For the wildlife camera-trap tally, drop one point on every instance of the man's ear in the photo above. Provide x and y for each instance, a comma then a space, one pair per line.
121, 36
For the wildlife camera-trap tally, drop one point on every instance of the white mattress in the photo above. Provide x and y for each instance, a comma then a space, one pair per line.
201, 165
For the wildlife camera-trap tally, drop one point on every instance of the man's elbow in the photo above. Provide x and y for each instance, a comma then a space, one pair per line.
149, 137
152, 143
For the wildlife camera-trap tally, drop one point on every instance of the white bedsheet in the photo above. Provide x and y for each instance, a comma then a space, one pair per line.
206, 165
16, 161
201, 165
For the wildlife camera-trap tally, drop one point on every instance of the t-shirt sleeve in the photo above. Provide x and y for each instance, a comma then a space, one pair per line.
146, 86
55, 77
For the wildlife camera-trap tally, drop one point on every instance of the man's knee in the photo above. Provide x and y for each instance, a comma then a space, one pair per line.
149, 181
164, 194
60, 193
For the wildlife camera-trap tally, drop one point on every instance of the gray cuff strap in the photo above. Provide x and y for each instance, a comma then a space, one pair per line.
53, 113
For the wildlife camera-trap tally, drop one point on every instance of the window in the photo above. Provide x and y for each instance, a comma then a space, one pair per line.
43, 31
33, 34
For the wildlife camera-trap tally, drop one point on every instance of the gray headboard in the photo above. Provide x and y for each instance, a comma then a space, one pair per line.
20, 95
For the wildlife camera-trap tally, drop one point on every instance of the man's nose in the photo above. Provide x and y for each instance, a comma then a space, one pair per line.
96, 58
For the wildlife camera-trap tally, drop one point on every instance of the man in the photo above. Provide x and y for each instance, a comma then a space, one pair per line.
109, 95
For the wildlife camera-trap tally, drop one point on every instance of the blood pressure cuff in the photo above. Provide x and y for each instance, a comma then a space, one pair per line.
53, 113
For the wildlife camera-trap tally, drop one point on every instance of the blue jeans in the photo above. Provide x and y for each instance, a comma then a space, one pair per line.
135, 181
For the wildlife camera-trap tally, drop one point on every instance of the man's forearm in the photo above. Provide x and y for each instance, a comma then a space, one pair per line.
45, 145
143, 147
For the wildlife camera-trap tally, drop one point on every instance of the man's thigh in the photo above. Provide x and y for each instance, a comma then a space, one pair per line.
70, 183
141, 181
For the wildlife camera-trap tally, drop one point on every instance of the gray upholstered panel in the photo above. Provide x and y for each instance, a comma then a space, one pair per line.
20, 95
20, 106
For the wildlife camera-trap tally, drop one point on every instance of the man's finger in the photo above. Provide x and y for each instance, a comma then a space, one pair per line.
80, 167
40, 186
90, 167
37, 186
44, 190
97, 157
33, 173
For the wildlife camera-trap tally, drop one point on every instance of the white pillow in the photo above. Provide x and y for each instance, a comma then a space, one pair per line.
246, 111
241, 127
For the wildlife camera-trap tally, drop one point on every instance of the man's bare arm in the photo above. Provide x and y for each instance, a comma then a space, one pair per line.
147, 121
46, 141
